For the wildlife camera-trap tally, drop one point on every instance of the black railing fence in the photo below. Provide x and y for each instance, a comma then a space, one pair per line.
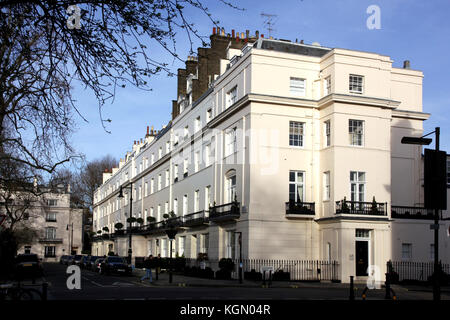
231, 209
300, 208
299, 270
364, 208
416, 271
400, 212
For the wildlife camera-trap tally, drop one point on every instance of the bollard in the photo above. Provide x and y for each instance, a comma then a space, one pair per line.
352, 292
44, 291
270, 277
264, 278
388, 287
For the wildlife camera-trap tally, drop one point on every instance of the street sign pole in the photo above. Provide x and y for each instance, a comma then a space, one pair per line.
437, 273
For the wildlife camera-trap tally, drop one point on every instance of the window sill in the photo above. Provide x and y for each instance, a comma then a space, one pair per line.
356, 146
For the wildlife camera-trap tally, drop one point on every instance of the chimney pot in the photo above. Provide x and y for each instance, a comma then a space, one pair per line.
232, 33
242, 35
301, 41
223, 32
406, 64
148, 130
262, 36
257, 34
214, 30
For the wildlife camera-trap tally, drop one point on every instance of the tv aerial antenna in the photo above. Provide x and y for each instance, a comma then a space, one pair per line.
269, 22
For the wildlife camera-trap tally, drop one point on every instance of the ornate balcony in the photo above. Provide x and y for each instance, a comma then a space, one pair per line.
195, 219
361, 208
225, 212
400, 212
300, 209
51, 240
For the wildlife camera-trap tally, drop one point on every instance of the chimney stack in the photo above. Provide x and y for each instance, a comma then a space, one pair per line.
406, 64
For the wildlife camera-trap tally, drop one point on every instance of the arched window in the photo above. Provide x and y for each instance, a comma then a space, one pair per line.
230, 186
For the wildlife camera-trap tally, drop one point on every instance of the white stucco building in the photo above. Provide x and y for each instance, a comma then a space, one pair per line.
302, 139
58, 227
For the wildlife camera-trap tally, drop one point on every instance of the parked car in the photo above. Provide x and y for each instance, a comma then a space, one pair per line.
75, 259
28, 266
113, 264
96, 266
83, 261
69, 260
63, 259
90, 262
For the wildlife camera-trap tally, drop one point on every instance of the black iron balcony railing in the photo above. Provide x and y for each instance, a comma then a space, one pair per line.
50, 219
195, 219
363, 208
300, 208
50, 240
228, 211
399, 212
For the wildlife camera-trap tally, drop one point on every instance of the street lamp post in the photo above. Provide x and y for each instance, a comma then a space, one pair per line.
171, 233
130, 250
426, 141
240, 255
70, 238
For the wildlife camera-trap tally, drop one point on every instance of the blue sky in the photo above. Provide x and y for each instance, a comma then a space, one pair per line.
412, 30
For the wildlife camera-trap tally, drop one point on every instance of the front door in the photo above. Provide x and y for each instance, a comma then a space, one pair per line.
362, 258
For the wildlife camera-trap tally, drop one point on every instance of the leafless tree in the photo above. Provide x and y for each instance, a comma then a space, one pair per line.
42, 58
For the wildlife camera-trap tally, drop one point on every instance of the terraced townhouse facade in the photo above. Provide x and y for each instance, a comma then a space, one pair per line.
293, 148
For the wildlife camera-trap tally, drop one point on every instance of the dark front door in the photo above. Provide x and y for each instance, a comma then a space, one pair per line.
362, 258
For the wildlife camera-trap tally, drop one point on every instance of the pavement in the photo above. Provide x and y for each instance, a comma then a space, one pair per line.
95, 286
185, 281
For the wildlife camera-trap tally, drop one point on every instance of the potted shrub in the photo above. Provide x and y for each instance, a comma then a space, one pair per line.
151, 222
212, 210
374, 209
118, 226
131, 220
235, 206
226, 266
344, 208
